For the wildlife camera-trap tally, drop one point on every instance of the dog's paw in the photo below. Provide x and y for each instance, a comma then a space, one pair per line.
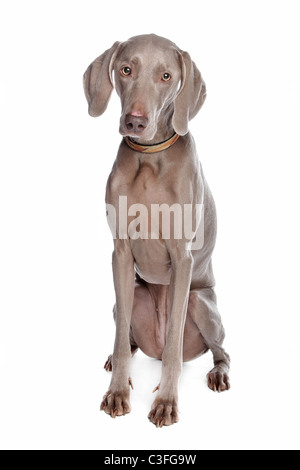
164, 412
218, 381
108, 364
116, 403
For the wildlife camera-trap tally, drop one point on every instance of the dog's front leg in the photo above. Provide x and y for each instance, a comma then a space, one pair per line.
164, 411
116, 400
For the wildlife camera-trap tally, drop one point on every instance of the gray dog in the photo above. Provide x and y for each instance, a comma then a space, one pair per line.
165, 300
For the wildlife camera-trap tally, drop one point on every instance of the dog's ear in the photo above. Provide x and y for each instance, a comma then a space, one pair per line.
98, 83
191, 95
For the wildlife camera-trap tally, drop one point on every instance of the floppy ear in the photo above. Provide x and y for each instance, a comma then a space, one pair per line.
97, 81
191, 95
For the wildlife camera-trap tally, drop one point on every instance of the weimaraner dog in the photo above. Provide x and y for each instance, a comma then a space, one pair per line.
165, 300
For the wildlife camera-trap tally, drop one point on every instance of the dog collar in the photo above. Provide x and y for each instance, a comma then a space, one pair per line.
151, 148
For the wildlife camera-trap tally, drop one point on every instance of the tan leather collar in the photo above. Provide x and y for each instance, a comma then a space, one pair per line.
151, 148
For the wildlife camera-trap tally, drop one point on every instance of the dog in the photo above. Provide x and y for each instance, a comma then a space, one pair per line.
165, 299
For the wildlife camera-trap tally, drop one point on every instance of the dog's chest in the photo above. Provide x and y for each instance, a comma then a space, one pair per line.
139, 192
152, 184
149, 190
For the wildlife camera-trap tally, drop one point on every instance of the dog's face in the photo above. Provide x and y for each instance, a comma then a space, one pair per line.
147, 76
153, 78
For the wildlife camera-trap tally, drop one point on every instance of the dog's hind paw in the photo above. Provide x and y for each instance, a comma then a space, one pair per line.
108, 364
218, 381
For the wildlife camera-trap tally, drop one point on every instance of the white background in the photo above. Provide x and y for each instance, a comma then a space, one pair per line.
55, 253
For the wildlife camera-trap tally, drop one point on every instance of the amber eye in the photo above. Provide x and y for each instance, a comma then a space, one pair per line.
166, 77
126, 71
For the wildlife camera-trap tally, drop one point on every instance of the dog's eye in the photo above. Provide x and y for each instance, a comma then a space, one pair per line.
166, 77
126, 71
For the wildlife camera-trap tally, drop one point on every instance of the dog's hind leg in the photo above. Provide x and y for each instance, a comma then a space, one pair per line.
203, 311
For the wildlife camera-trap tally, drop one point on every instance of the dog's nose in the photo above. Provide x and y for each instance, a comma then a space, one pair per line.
136, 124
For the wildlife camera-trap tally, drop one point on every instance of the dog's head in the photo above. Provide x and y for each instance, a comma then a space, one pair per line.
153, 77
